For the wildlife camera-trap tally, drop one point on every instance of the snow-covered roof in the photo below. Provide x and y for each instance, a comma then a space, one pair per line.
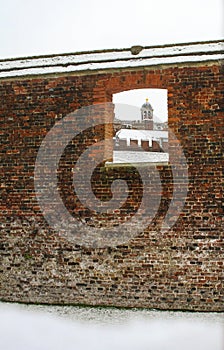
133, 134
135, 56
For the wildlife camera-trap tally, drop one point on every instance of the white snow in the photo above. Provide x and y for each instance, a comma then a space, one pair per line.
132, 157
32, 330
142, 134
196, 52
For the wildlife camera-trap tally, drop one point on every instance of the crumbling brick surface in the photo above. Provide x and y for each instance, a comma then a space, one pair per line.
179, 269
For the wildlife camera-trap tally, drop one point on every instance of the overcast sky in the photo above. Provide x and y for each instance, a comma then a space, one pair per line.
127, 100
29, 27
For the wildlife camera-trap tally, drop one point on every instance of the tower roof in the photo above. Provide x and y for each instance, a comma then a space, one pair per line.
147, 105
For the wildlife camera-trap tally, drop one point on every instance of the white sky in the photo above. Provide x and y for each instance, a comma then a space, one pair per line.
29, 27
157, 98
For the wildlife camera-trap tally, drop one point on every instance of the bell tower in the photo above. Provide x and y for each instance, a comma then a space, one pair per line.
147, 115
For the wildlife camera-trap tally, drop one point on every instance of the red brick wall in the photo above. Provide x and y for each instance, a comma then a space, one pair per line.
178, 269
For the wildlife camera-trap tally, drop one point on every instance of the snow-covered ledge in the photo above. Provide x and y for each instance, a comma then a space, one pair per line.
131, 158
136, 56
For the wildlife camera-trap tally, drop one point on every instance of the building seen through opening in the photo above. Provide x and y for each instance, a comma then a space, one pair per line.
143, 140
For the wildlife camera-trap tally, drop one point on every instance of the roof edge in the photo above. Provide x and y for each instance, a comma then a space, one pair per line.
76, 53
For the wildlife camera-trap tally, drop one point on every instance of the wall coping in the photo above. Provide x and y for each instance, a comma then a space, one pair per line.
136, 56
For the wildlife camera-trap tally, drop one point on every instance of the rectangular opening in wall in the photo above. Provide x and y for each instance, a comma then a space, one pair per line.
141, 127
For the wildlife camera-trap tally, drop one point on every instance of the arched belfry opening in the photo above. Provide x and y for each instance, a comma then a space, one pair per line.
147, 115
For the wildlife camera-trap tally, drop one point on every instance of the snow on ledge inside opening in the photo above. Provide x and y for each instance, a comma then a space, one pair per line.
132, 157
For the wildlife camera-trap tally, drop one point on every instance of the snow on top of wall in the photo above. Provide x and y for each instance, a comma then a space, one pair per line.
112, 59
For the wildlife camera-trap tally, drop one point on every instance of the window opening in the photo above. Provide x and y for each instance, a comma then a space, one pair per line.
141, 126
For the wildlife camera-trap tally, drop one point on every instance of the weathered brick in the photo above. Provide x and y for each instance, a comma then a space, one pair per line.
171, 270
